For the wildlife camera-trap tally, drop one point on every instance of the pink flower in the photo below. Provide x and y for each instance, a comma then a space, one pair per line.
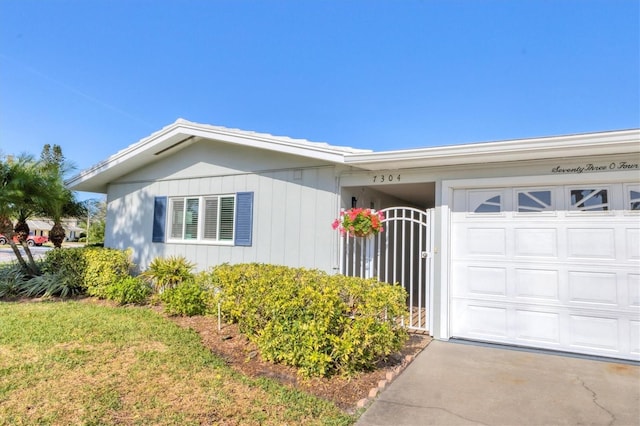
359, 222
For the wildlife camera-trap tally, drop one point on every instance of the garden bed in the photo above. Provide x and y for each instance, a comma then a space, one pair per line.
240, 354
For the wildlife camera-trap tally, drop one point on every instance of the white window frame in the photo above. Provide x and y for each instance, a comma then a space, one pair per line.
488, 194
627, 188
551, 211
202, 220
571, 211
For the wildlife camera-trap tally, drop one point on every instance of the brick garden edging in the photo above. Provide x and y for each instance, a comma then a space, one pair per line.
390, 377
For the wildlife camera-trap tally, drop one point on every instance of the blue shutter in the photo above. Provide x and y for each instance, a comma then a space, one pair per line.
159, 219
244, 218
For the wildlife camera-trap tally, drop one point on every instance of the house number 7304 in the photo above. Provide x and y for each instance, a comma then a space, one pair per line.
386, 178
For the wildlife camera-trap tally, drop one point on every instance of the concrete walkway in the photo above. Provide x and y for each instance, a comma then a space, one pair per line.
464, 384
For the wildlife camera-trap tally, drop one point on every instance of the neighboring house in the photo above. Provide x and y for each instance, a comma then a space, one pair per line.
42, 226
532, 242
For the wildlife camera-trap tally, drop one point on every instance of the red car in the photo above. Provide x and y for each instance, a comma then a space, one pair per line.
32, 240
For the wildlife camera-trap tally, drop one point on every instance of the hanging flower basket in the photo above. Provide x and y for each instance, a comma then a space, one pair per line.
358, 222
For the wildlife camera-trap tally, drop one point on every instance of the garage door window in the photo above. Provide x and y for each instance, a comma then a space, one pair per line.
589, 200
534, 201
634, 199
486, 201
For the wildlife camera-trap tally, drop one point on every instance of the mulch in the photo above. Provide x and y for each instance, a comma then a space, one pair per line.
347, 393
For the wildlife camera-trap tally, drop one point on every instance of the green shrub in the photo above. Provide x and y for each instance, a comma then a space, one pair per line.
12, 278
70, 262
322, 324
13, 282
129, 290
50, 284
91, 269
167, 273
105, 266
187, 299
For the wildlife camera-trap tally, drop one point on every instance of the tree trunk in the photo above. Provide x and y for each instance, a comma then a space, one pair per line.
57, 235
22, 231
6, 229
25, 268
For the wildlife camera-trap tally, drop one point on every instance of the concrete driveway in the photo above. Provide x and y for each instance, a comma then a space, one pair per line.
464, 384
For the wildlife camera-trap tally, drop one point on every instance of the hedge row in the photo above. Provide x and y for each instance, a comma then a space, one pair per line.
92, 269
319, 323
322, 324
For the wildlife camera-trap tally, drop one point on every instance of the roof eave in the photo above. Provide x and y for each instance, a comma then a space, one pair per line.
182, 133
605, 143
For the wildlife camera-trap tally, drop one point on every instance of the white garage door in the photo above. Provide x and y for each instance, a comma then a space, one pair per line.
549, 267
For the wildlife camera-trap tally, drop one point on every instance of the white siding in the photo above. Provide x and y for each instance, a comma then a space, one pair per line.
292, 213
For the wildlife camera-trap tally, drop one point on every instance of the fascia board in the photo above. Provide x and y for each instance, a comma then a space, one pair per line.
97, 177
618, 142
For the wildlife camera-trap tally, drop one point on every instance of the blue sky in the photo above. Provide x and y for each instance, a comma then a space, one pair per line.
96, 76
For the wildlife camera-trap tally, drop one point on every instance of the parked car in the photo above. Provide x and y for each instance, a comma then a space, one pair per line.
32, 240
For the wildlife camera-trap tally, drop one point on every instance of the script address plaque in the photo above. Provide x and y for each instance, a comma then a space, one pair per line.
386, 178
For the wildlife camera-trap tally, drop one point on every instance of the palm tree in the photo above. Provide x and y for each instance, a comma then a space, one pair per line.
22, 189
60, 202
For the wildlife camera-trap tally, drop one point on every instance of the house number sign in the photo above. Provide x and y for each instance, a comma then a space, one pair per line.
590, 167
386, 178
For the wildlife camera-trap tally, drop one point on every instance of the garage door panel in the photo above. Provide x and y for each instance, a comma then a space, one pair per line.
537, 327
491, 281
593, 288
547, 277
483, 321
632, 237
536, 242
537, 284
633, 288
594, 332
634, 337
486, 241
591, 243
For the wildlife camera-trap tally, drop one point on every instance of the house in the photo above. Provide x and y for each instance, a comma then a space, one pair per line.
532, 242
41, 227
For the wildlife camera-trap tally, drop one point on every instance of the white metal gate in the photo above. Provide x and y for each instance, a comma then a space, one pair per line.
401, 254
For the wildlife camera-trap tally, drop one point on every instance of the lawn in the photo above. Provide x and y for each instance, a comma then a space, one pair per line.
81, 363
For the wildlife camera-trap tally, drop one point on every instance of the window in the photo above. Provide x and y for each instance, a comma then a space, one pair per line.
634, 203
633, 200
491, 205
226, 219
589, 200
534, 201
208, 218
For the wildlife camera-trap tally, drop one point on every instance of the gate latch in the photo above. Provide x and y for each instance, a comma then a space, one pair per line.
425, 254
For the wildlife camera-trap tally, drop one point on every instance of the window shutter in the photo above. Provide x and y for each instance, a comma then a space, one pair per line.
159, 219
244, 218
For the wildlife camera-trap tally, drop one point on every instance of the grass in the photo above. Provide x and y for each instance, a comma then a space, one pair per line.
65, 363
